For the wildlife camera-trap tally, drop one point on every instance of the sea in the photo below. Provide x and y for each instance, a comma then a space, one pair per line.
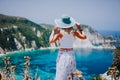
114, 34
91, 62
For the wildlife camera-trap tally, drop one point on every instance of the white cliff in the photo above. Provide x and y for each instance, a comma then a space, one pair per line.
2, 51
33, 43
94, 40
18, 44
38, 33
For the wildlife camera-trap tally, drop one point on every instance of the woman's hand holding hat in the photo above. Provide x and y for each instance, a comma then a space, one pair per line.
55, 28
79, 27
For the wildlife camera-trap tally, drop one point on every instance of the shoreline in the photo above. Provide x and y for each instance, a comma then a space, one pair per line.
45, 48
30, 49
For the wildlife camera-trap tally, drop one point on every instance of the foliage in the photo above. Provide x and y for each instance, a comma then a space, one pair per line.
117, 58
97, 78
17, 27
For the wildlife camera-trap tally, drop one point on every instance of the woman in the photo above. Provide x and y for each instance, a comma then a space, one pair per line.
63, 31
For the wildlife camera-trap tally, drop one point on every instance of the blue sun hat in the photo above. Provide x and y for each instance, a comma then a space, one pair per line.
65, 22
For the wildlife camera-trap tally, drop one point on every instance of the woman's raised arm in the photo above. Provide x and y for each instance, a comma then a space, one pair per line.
55, 35
80, 34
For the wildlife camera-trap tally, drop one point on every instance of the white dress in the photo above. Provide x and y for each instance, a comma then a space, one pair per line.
65, 62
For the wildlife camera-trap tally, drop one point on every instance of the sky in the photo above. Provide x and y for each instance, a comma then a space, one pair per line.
99, 14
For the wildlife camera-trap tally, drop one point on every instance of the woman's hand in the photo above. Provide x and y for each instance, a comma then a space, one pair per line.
79, 35
56, 30
79, 27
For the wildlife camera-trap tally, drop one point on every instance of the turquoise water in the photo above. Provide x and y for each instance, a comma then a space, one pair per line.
43, 62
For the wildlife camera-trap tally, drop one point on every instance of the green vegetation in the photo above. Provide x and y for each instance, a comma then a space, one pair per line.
9, 21
17, 33
116, 61
12, 28
97, 78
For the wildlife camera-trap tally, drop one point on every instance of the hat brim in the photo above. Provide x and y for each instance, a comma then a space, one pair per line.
61, 24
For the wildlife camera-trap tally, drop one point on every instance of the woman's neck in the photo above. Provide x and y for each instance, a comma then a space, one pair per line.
67, 32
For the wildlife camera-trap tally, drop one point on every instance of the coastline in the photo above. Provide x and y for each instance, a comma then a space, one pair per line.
29, 49
45, 48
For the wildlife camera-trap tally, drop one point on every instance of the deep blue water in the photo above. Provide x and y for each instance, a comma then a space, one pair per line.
90, 61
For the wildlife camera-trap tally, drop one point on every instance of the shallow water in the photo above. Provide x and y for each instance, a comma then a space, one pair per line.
43, 62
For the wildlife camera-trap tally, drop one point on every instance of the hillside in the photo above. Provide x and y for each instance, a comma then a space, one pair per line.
94, 39
17, 33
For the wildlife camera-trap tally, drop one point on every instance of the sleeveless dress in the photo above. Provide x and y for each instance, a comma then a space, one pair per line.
65, 62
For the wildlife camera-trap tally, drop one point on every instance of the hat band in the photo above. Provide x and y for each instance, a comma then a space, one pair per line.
66, 20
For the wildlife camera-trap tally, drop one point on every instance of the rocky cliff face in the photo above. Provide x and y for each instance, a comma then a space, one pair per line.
18, 33
94, 39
